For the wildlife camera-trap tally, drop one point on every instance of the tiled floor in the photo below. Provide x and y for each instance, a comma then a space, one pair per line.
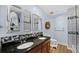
60, 49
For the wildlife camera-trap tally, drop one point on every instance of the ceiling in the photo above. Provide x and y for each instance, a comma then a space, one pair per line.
52, 10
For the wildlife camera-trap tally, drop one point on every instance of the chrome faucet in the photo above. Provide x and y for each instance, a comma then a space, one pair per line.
22, 39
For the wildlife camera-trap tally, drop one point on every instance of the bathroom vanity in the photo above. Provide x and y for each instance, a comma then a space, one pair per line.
18, 25
43, 47
39, 46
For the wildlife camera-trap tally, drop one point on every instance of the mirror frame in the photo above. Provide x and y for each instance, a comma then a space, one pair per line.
47, 25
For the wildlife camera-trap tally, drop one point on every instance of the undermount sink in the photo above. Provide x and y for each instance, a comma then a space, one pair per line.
42, 38
25, 45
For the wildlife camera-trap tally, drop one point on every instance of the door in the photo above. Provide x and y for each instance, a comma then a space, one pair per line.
74, 35
77, 46
72, 29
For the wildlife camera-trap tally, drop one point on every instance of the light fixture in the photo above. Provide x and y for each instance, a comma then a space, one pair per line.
51, 12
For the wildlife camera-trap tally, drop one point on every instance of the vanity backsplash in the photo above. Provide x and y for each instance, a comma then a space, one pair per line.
8, 39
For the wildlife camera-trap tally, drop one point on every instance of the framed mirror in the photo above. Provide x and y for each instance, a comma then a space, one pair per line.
47, 25
2, 19
14, 17
37, 23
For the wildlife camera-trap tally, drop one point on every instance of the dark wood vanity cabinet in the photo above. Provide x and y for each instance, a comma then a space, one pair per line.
46, 47
42, 48
36, 49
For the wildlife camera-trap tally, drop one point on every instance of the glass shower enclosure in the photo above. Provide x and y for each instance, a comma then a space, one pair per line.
73, 29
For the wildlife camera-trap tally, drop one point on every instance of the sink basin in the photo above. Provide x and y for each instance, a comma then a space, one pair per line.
42, 38
25, 45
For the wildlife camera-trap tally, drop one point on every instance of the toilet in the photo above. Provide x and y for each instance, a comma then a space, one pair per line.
53, 43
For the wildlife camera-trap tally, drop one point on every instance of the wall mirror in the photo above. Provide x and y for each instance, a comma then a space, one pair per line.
1, 26
37, 23
27, 20
47, 25
14, 17
2, 16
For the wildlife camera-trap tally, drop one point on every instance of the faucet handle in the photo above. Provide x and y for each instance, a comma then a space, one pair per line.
15, 37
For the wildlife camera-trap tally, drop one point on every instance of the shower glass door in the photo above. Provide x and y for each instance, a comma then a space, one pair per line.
77, 42
72, 29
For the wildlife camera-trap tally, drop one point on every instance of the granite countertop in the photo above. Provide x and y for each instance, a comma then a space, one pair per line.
12, 47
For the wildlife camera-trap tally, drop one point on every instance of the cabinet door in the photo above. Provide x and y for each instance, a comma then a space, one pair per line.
36, 49
46, 47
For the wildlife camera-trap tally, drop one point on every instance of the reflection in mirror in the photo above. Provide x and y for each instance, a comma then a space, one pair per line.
14, 16
14, 22
1, 19
27, 20
37, 23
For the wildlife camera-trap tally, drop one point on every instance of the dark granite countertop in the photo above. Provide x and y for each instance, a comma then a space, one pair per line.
12, 47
